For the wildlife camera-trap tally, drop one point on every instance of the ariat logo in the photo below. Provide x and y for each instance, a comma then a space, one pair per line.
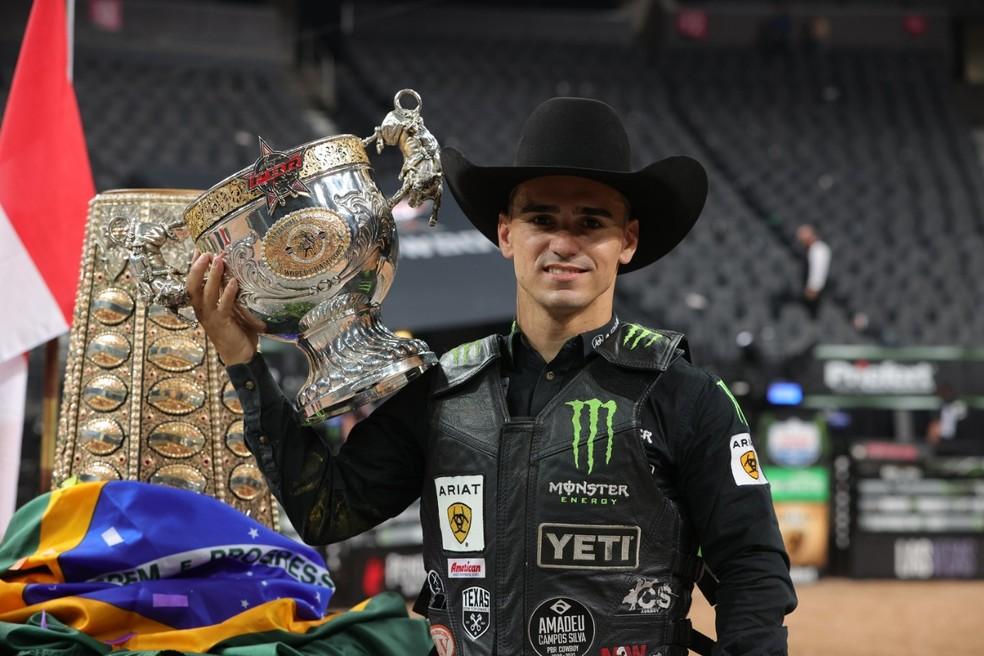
466, 352
460, 512
460, 516
636, 335
750, 464
594, 408
744, 461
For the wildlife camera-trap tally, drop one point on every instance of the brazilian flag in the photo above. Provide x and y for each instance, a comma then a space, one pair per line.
131, 568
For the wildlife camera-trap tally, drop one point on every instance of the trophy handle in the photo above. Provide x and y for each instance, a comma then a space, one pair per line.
157, 281
421, 173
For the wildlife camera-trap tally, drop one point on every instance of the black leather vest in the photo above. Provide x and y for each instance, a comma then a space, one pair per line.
547, 535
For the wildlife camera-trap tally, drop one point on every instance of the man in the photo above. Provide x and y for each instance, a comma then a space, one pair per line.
816, 268
570, 471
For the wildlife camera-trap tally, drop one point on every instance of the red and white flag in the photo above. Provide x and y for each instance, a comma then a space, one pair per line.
45, 187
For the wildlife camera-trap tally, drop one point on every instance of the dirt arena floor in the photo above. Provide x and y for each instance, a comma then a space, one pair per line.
840, 617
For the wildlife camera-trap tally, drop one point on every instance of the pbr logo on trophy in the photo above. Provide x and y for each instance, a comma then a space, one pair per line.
312, 243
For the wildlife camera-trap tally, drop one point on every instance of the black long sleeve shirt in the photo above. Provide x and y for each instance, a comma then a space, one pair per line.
379, 471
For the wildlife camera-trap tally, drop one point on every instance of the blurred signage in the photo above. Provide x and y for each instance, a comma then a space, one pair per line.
784, 393
801, 497
915, 518
106, 14
902, 378
793, 442
888, 377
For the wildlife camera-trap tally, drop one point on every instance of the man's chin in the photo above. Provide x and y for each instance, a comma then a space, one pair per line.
566, 302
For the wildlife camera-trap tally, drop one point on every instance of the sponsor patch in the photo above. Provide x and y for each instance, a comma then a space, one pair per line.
475, 611
585, 493
466, 568
460, 512
647, 597
625, 650
745, 462
443, 640
561, 626
439, 597
586, 418
588, 546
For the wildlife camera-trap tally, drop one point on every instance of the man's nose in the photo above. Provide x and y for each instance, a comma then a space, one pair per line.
564, 243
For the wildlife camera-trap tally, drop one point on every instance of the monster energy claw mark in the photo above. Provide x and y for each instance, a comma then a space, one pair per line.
466, 351
637, 333
734, 401
594, 409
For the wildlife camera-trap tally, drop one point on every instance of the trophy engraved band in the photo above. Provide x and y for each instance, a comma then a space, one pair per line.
313, 245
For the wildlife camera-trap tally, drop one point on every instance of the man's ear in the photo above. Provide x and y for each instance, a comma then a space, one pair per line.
630, 241
505, 235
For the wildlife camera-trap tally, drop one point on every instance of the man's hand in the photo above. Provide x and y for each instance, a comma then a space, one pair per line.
233, 334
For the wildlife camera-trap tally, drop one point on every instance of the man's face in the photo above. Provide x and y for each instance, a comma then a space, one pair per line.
567, 237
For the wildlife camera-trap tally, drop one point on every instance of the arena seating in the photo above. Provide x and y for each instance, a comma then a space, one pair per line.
154, 122
866, 146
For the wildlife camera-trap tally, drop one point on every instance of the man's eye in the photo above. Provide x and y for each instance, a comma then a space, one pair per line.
592, 223
542, 220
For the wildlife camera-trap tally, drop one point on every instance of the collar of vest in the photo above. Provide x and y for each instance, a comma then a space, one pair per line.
636, 347
631, 346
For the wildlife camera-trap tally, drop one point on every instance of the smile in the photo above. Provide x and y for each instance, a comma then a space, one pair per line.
563, 272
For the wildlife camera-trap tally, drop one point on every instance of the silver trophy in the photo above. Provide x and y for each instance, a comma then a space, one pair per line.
313, 245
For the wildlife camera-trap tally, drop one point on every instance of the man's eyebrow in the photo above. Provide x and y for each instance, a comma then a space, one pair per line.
590, 211
593, 211
533, 207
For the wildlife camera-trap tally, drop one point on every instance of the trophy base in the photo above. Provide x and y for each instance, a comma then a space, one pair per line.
354, 359
391, 379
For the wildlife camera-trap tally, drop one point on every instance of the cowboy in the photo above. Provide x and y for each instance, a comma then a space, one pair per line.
568, 466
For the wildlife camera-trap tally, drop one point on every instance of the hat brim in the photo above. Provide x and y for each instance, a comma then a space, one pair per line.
666, 197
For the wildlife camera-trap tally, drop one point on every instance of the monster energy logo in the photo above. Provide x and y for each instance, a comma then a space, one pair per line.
734, 401
594, 407
637, 333
466, 351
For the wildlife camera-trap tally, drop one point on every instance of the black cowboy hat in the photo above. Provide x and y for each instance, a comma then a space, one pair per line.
585, 138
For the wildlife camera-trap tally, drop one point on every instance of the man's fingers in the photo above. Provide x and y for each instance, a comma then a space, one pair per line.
228, 296
210, 295
193, 283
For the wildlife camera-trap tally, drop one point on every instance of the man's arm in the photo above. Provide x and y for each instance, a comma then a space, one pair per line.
731, 506
375, 475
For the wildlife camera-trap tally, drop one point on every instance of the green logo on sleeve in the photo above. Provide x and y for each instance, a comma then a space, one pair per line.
594, 407
734, 401
637, 334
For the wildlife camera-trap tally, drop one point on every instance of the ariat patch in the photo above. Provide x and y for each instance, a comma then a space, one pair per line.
745, 466
460, 502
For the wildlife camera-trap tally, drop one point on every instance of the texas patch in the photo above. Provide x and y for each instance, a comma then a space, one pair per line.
745, 461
